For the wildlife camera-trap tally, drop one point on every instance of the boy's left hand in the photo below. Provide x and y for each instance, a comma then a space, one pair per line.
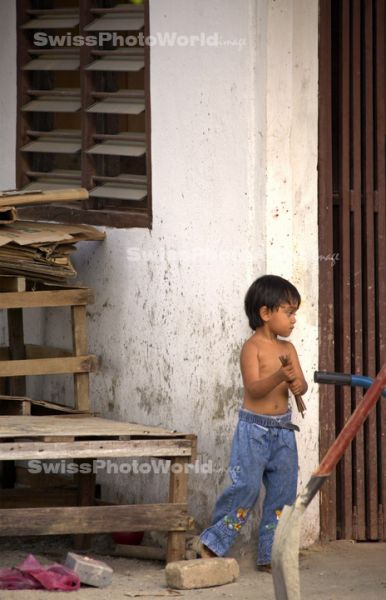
296, 387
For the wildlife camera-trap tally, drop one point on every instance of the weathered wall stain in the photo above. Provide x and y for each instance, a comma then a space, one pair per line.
226, 399
150, 400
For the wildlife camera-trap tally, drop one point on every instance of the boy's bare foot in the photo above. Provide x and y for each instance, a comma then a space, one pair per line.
202, 550
206, 552
265, 568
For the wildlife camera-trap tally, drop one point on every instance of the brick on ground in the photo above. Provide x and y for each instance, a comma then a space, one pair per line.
90, 571
201, 573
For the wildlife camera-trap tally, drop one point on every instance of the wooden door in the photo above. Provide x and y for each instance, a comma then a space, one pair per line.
352, 256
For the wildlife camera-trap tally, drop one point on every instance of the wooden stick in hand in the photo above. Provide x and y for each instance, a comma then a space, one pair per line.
299, 400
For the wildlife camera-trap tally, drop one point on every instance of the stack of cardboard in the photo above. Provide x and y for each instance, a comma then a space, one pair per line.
37, 250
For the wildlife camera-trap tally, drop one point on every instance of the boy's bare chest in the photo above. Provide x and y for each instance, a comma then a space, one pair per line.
270, 362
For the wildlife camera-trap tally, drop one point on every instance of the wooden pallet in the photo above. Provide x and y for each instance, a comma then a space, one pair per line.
78, 436
65, 437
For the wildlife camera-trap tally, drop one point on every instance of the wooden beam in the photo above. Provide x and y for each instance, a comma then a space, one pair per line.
48, 366
67, 195
343, 341
22, 161
369, 268
380, 251
148, 125
73, 214
357, 280
52, 439
86, 494
79, 425
80, 347
87, 82
193, 438
17, 385
40, 299
178, 492
94, 519
326, 274
94, 449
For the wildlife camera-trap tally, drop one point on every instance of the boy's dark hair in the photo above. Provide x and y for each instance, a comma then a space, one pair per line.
270, 291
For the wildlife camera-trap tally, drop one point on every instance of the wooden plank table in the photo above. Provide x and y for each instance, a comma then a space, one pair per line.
25, 437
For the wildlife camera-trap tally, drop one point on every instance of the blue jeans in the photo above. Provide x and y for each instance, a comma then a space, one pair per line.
263, 450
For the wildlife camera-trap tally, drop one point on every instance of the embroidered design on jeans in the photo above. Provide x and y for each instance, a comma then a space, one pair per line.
242, 513
271, 526
236, 524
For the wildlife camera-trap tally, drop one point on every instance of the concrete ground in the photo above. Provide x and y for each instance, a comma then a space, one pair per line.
335, 571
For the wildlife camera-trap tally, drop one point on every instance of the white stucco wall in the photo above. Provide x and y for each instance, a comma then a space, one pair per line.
168, 322
291, 196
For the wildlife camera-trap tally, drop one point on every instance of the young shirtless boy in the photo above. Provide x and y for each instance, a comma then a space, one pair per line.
264, 445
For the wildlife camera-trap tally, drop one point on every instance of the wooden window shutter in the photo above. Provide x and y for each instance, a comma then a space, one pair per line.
84, 108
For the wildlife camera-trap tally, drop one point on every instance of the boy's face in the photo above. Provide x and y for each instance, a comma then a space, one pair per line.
280, 321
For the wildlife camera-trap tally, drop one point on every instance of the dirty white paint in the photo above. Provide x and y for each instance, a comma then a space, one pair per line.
168, 320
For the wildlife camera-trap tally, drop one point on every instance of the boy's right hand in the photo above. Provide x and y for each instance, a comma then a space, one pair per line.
288, 373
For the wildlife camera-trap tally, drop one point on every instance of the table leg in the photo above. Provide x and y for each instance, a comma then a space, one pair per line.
86, 495
178, 492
